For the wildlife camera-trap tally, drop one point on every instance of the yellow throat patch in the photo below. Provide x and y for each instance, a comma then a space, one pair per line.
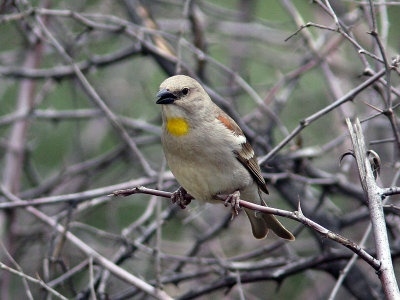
177, 126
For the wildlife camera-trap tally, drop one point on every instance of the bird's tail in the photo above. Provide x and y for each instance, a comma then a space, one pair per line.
261, 224
272, 222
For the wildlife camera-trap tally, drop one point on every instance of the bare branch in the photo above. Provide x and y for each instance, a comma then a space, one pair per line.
296, 215
34, 280
91, 253
307, 121
374, 194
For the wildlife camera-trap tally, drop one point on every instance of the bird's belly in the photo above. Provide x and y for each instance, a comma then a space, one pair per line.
205, 177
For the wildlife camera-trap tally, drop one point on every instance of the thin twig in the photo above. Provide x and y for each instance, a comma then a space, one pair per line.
34, 280
97, 257
307, 121
26, 285
96, 98
77, 197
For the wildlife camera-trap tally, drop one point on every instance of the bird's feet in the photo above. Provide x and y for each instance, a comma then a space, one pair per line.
178, 197
234, 201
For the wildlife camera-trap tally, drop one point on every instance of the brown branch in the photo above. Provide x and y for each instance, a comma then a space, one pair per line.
296, 215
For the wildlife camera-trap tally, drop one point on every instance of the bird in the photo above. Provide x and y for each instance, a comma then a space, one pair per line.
208, 153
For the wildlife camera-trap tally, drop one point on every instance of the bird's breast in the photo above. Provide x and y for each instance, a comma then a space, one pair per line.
203, 161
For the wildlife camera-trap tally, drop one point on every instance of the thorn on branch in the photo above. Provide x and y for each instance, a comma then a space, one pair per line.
350, 152
375, 162
299, 210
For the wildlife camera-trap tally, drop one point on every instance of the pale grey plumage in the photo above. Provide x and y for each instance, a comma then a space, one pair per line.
213, 157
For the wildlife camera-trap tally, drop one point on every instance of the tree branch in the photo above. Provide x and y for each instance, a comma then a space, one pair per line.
295, 215
374, 194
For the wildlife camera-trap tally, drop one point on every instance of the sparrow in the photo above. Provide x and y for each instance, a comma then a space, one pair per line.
208, 153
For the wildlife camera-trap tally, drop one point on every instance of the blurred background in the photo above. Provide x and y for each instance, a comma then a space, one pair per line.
78, 120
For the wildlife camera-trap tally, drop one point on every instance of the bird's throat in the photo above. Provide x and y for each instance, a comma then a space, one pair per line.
177, 126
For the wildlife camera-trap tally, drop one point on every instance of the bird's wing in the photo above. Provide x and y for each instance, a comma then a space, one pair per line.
246, 154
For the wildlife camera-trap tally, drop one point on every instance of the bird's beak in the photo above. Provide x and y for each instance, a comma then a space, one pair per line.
165, 97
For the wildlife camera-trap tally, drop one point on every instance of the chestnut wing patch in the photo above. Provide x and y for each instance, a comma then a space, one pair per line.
246, 154
228, 124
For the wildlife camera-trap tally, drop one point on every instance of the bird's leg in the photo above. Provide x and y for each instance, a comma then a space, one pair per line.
234, 200
178, 197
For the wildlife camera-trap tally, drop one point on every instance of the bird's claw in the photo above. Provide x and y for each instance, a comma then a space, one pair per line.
178, 197
234, 201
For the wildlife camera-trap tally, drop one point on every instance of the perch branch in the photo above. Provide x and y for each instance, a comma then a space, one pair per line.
295, 215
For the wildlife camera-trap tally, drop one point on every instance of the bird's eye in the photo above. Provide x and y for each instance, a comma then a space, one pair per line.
185, 91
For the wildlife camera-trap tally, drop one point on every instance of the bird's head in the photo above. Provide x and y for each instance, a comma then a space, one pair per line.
182, 95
